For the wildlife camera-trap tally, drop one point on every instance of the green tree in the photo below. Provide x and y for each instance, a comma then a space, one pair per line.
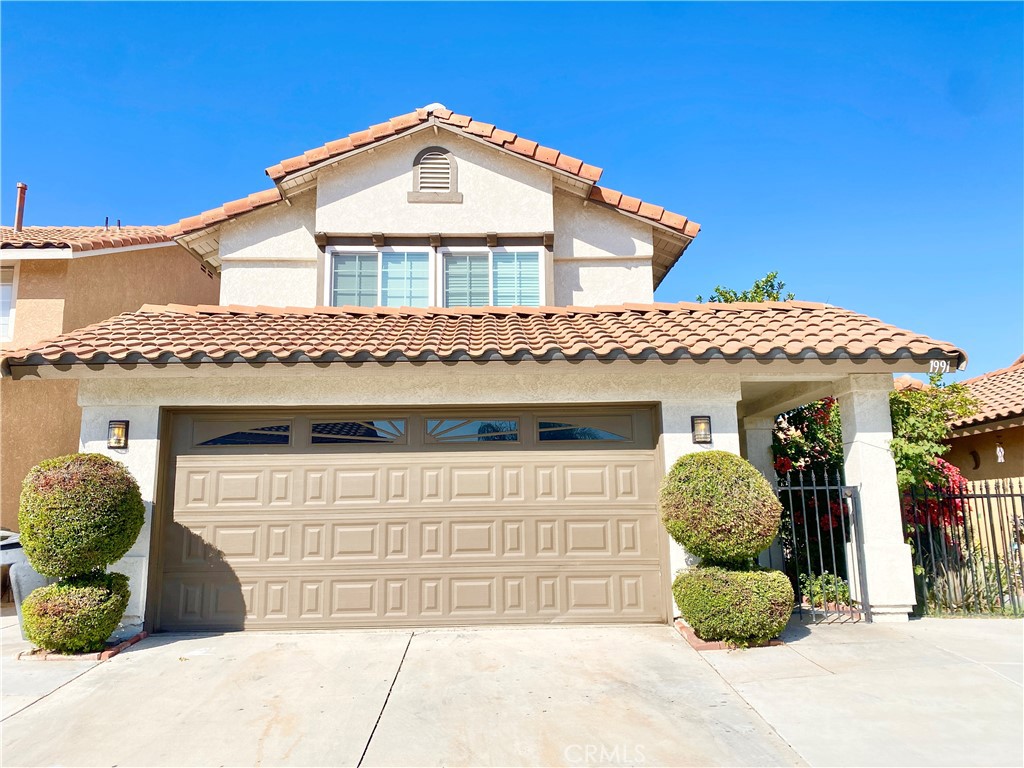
768, 288
920, 425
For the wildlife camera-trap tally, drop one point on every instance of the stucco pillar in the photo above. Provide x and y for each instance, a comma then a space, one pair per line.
757, 431
867, 431
677, 440
141, 460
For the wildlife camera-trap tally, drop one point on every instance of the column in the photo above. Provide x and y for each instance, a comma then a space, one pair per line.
867, 430
758, 444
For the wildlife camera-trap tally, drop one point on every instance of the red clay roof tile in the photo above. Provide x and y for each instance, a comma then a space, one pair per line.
796, 330
83, 238
1000, 395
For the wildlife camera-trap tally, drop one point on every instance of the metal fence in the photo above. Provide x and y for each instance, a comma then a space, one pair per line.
968, 545
820, 547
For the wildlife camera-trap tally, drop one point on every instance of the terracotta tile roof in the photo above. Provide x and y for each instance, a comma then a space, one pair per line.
464, 123
908, 382
396, 125
792, 330
82, 238
1000, 395
224, 212
647, 210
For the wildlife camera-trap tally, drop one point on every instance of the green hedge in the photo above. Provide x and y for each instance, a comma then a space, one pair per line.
79, 513
719, 507
76, 615
740, 607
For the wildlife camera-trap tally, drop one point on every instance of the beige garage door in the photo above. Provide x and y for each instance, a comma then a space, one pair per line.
318, 520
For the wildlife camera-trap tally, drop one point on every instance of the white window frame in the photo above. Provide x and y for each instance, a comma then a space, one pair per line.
14, 298
336, 250
435, 267
542, 286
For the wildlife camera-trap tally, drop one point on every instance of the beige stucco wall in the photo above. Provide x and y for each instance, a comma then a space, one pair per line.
1012, 440
587, 231
40, 420
368, 193
39, 302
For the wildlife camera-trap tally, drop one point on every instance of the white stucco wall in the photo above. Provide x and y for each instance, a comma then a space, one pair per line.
587, 231
588, 283
270, 284
683, 392
368, 192
270, 256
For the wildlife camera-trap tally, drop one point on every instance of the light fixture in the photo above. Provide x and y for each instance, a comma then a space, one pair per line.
700, 426
117, 435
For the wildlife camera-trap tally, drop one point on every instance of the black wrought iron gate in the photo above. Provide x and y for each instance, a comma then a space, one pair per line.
820, 547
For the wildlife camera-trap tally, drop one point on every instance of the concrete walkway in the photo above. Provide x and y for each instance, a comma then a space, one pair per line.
932, 692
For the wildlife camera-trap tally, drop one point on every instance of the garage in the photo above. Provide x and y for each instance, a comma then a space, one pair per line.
324, 519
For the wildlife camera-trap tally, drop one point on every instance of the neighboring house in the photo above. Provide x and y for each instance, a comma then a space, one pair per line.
990, 444
54, 280
437, 391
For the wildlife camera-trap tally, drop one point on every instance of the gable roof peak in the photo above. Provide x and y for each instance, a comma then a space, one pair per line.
434, 106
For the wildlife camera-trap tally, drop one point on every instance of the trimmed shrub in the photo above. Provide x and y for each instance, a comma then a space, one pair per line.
740, 607
76, 615
78, 513
719, 507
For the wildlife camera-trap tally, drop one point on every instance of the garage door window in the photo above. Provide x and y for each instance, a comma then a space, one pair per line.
375, 431
472, 430
265, 434
613, 429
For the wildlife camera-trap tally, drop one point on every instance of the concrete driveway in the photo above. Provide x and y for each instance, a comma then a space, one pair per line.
534, 696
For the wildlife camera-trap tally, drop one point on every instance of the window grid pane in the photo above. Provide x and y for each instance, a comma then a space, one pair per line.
355, 280
405, 279
466, 280
516, 279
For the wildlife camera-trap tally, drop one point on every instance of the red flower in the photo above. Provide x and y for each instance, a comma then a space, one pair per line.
783, 465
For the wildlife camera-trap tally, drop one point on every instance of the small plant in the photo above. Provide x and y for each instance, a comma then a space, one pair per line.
77, 614
78, 514
823, 590
741, 607
719, 507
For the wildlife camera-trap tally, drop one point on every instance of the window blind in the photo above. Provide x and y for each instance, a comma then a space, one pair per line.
516, 279
466, 280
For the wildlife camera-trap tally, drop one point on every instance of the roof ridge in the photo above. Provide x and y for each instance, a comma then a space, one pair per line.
441, 115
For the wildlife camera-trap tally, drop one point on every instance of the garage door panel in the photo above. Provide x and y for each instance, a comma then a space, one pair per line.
401, 536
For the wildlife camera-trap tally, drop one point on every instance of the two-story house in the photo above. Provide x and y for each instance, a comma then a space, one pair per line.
54, 280
436, 390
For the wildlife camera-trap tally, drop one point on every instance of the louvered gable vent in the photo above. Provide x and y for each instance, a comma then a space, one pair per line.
435, 173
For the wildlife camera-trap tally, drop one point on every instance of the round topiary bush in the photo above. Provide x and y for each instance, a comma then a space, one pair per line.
719, 507
740, 607
78, 513
78, 614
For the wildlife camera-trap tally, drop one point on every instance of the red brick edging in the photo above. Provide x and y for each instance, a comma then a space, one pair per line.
713, 645
38, 654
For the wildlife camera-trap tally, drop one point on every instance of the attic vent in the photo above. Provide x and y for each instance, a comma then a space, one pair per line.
435, 173
435, 177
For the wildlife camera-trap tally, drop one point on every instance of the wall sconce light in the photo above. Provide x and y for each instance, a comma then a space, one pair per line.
700, 427
117, 435
1000, 454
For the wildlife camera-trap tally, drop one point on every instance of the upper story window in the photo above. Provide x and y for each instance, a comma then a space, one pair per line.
434, 277
435, 177
382, 279
492, 278
6, 303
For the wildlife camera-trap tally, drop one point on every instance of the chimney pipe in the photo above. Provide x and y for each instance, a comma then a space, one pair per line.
19, 212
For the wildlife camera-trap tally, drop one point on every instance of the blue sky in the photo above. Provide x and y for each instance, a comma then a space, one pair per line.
870, 153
